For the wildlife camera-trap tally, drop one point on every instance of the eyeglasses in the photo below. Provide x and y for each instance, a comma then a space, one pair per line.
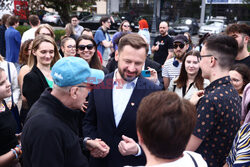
126, 25
70, 47
79, 86
200, 57
82, 47
180, 46
82, 86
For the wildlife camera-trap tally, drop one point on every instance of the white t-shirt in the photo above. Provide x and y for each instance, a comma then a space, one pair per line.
29, 34
186, 161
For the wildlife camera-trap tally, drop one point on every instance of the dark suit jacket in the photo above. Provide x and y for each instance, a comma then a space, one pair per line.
34, 83
99, 121
2, 40
112, 65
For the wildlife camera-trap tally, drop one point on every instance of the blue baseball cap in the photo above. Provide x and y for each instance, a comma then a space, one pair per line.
70, 71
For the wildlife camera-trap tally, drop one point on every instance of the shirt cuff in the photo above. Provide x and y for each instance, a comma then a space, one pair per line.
139, 150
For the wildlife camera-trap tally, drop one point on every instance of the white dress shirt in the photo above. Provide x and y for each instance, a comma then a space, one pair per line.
121, 96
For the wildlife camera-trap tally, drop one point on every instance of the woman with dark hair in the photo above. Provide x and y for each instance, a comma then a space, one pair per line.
87, 49
201, 41
44, 55
25, 51
190, 79
24, 54
240, 77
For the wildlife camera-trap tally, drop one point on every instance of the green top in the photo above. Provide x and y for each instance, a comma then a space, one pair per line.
50, 83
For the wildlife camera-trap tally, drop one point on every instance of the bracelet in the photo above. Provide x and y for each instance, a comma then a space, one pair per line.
15, 153
19, 146
18, 150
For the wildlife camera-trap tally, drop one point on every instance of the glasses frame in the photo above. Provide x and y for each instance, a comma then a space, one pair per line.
126, 25
200, 57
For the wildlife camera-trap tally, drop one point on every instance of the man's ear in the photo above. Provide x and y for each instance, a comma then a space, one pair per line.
140, 139
73, 92
246, 39
116, 55
213, 61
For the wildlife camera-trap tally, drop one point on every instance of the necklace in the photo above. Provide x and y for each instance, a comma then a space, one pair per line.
2, 108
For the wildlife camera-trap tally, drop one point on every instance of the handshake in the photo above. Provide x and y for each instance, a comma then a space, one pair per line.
99, 149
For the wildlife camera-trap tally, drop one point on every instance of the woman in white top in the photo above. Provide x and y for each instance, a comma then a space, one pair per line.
190, 79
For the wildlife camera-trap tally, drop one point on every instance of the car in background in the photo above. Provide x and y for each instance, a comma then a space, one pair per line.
243, 22
52, 18
80, 15
212, 26
184, 24
92, 22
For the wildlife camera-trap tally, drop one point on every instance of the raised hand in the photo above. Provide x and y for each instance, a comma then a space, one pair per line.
127, 146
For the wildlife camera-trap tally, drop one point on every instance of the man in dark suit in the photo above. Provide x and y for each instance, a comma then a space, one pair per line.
111, 114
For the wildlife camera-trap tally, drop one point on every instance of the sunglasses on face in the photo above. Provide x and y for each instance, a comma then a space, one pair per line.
126, 25
180, 46
82, 47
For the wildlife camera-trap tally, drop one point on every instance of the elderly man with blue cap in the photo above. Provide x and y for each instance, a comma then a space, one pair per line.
50, 135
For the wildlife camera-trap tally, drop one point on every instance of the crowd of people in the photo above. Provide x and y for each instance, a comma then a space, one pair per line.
110, 102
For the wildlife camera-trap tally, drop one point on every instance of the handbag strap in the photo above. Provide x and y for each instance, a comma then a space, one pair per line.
9, 75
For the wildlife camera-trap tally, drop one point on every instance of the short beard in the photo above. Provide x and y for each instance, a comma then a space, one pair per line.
240, 47
124, 78
179, 57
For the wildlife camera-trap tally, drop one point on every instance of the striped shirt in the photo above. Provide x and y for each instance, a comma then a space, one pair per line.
240, 152
169, 70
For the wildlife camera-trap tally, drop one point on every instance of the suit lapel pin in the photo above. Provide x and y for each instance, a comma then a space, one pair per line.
132, 104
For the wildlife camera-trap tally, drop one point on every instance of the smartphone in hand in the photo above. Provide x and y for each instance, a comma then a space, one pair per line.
145, 73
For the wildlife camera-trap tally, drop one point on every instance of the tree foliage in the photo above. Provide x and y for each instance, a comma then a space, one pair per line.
63, 7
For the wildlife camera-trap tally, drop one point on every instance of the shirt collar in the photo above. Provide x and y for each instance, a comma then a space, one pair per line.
214, 84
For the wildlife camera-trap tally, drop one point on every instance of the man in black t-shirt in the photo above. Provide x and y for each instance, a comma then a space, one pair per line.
241, 32
163, 44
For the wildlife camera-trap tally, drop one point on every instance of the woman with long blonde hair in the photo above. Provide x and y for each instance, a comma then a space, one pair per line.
44, 55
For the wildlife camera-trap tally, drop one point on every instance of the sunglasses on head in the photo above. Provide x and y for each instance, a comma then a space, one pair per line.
180, 45
82, 47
